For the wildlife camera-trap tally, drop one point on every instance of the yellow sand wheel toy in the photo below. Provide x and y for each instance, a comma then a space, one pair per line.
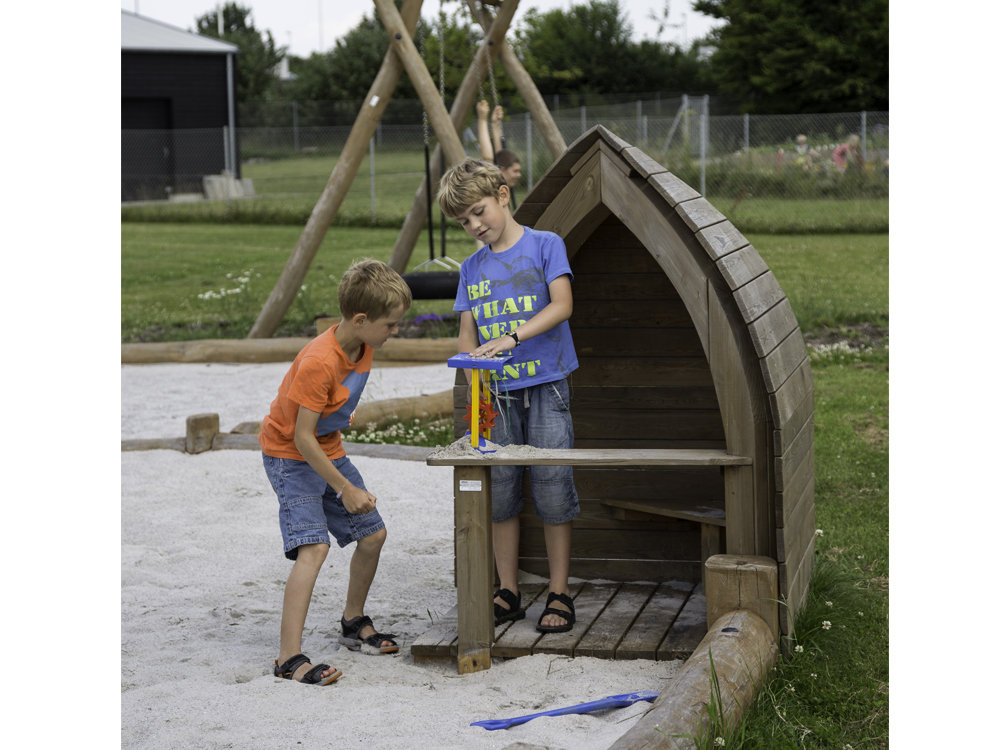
480, 414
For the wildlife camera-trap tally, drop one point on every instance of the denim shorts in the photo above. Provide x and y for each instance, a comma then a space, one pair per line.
537, 415
308, 507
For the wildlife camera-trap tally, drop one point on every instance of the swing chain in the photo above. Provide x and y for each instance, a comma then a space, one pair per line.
423, 57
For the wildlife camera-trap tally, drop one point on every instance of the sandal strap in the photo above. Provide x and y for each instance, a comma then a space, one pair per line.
376, 639
314, 675
513, 600
287, 670
351, 628
562, 599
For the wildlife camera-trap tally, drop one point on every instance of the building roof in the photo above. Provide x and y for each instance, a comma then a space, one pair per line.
141, 34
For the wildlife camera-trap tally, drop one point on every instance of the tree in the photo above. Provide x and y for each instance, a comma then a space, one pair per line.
790, 56
258, 58
588, 49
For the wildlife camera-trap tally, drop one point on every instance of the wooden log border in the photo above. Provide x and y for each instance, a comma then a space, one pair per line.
410, 351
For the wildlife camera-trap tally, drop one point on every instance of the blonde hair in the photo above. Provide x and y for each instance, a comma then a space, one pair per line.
371, 287
467, 183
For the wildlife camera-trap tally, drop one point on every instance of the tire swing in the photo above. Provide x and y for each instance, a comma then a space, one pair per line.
441, 283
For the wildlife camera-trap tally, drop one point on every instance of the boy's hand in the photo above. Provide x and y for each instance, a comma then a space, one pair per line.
497, 112
357, 501
483, 109
502, 344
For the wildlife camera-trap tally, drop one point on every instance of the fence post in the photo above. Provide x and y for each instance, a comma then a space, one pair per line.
295, 125
638, 119
225, 148
703, 122
864, 139
583, 119
746, 134
527, 125
645, 130
685, 125
371, 165
555, 102
378, 134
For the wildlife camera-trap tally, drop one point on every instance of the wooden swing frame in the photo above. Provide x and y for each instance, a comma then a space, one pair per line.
403, 55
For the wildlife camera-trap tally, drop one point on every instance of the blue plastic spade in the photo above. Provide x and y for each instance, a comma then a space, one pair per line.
612, 701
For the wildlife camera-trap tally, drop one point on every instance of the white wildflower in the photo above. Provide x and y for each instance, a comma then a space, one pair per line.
826, 625
829, 604
799, 649
819, 532
720, 742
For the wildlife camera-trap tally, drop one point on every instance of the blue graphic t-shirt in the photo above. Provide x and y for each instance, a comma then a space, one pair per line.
505, 290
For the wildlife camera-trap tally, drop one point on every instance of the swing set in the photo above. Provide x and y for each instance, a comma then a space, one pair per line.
404, 55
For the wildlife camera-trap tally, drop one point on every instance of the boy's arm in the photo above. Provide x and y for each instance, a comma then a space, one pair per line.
497, 128
485, 146
560, 308
355, 499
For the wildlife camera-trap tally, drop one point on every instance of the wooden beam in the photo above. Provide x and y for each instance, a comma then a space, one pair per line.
748, 582
597, 457
400, 40
741, 649
474, 567
326, 208
525, 86
460, 109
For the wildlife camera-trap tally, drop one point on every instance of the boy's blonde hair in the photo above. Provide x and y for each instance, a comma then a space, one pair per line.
372, 288
467, 183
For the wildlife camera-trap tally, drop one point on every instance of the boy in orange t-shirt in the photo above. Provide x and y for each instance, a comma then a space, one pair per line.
319, 490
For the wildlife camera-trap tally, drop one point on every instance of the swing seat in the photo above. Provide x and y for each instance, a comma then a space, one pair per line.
432, 284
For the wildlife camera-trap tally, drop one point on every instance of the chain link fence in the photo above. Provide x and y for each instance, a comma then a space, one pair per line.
740, 162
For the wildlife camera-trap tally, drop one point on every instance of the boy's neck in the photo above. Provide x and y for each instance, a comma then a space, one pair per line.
512, 232
349, 342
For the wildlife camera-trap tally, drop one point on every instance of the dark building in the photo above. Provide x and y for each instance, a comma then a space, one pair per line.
178, 109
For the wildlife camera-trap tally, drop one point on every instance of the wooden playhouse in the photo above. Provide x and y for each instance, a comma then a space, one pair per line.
693, 414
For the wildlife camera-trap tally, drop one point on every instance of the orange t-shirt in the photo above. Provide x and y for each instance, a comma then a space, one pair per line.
323, 380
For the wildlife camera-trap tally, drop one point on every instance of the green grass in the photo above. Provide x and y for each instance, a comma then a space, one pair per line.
831, 280
166, 267
288, 188
836, 691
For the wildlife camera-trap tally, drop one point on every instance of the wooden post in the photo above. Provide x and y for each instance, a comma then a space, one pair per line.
743, 582
326, 208
399, 40
742, 652
474, 567
200, 431
460, 110
527, 88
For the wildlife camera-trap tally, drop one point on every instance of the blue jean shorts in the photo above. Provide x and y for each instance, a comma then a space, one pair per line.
308, 507
537, 415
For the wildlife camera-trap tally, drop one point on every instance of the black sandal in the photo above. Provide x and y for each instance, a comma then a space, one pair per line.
350, 637
569, 616
313, 677
502, 615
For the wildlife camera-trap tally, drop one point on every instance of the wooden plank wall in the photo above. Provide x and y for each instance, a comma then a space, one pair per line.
643, 381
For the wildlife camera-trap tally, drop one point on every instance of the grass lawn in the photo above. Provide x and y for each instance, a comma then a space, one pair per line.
165, 267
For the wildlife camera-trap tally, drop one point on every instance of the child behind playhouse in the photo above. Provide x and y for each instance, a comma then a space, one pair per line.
319, 490
508, 161
514, 293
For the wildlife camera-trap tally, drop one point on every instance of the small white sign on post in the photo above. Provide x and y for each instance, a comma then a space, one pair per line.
470, 485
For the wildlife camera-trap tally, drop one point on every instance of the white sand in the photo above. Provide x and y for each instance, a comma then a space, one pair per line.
157, 399
202, 580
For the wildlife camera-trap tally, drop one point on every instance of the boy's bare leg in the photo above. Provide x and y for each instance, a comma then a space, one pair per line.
298, 593
558, 539
364, 565
506, 540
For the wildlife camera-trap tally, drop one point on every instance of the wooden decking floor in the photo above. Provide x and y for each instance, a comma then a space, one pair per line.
613, 621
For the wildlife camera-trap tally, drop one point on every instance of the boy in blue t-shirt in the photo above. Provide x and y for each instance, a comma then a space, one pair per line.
514, 293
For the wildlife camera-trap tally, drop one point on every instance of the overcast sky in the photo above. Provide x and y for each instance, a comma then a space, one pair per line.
296, 23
